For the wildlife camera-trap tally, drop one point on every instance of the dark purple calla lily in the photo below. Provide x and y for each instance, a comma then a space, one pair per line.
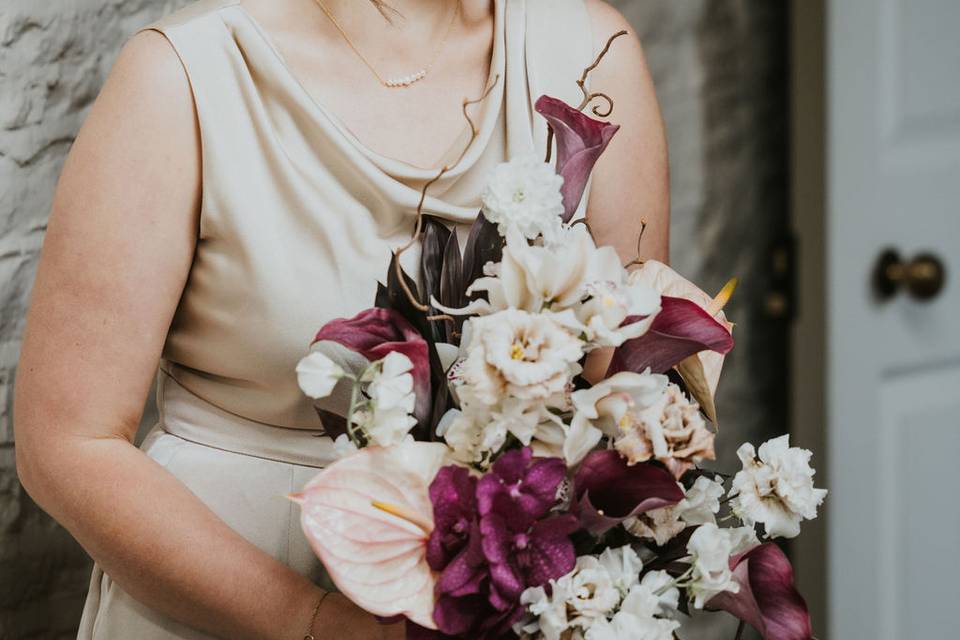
580, 142
607, 490
373, 333
681, 329
767, 600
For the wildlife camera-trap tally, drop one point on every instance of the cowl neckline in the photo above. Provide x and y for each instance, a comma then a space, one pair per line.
485, 114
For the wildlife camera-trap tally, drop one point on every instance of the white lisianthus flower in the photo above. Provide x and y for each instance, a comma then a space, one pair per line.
702, 502
775, 488
623, 565
317, 374
710, 548
524, 194
519, 355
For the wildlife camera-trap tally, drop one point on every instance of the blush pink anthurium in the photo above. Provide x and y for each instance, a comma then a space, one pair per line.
368, 518
371, 335
767, 599
580, 142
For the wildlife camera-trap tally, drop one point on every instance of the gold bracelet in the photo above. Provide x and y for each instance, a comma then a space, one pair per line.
309, 634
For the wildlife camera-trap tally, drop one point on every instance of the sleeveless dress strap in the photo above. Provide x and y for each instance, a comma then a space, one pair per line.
559, 46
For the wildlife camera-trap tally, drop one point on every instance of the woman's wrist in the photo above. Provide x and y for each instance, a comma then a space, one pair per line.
311, 630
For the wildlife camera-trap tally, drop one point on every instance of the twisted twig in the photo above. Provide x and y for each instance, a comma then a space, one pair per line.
638, 260
423, 196
588, 97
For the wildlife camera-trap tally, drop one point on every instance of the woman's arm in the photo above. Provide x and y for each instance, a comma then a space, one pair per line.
631, 182
118, 249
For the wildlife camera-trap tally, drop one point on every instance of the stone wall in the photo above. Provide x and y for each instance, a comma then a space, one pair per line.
720, 70
54, 56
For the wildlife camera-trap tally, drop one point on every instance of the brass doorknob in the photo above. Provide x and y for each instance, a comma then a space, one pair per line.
922, 277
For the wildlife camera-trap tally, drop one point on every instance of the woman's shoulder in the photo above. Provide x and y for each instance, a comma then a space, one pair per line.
190, 12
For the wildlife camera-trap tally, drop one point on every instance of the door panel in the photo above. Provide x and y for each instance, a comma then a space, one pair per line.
892, 158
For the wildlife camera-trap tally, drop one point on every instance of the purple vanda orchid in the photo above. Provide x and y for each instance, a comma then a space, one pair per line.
491, 544
580, 142
375, 332
767, 600
607, 490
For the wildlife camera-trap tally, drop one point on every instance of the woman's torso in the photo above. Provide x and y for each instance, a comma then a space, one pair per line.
298, 217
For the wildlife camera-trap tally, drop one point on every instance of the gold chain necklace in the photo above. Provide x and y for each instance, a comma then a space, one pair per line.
396, 82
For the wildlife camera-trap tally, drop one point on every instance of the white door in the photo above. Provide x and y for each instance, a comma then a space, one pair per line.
892, 389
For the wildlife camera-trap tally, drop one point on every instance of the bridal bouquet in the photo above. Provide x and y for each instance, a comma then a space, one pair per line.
487, 489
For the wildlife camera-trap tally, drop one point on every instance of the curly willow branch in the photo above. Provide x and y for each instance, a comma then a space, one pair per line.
589, 97
423, 196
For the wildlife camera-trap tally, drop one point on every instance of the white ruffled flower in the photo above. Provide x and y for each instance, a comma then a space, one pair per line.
520, 355
524, 194
637, 618
317, 374
710, 548
775, 488
701, 502
592, 593
623, 565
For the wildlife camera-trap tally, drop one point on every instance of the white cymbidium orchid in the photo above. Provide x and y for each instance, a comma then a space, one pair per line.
583, 284
775, 488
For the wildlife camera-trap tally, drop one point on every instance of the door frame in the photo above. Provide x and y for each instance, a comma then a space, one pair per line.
809, 373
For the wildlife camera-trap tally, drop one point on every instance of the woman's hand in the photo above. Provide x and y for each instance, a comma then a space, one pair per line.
339, 619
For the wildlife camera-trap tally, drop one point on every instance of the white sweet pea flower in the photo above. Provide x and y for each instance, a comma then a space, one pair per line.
524, 194
386, 419
317, 374
710, 548
775, 488
343, 446
392, 386
702, 502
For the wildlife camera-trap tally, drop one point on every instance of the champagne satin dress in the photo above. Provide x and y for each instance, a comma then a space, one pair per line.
297, 223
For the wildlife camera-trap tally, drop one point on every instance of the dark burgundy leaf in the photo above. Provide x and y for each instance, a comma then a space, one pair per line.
484, 244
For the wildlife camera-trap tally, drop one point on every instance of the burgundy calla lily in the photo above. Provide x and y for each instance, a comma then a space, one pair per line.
375, 332
681, 329
767, 599
580, 142
607, 490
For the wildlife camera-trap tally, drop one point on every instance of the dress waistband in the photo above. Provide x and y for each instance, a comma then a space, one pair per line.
190, 417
